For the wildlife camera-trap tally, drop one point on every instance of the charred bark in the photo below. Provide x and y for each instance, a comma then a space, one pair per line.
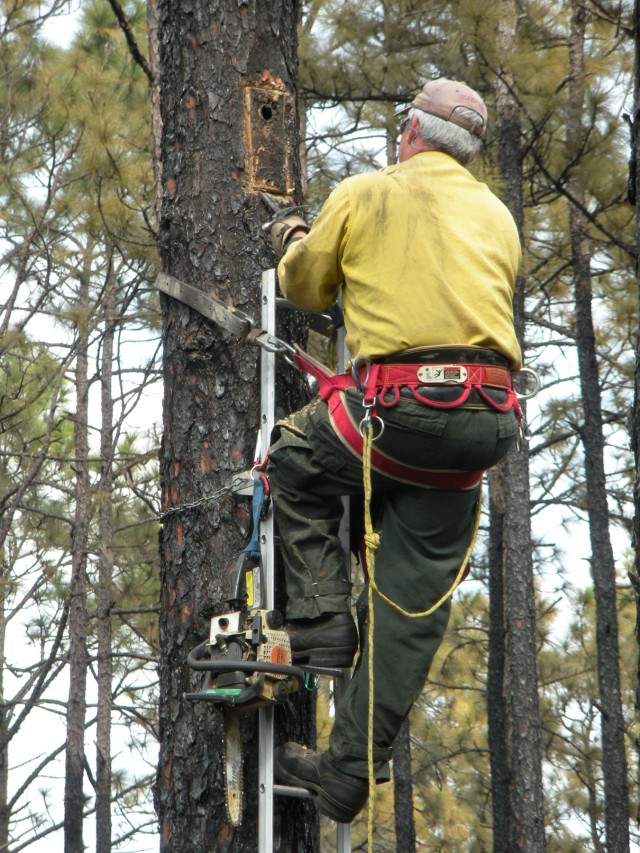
614, 764
104, 593
496, 711
74, 799
403, 791
634, 199
227, 74
516, 717
5, 811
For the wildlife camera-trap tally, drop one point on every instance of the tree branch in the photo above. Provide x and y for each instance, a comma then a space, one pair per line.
135, 51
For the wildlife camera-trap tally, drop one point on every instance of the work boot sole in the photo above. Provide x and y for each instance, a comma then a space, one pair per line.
326, 804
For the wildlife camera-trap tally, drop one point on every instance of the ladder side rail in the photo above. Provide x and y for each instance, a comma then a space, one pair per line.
267, 543
266, 787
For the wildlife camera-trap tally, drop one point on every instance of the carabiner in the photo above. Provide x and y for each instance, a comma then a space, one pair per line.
270, 343
355, 365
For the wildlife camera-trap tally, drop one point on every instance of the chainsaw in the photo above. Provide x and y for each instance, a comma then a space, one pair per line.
246, 658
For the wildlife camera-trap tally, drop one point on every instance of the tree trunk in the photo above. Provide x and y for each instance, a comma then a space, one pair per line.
5, 811
403, 791
496, 710
78, 657
614, 764
104, 597
154, 97
227, 77
634, 199
523, 827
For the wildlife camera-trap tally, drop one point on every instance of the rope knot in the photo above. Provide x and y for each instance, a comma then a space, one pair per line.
372, 540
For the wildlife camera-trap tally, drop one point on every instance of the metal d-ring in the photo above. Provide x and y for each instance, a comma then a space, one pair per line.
537, 386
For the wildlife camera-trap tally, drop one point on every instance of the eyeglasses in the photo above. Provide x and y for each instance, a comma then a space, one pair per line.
403, 124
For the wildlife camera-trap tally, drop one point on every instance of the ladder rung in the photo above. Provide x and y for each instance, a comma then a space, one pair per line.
292, 791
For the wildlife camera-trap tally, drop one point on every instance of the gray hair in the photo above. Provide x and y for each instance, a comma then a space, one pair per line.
446, 136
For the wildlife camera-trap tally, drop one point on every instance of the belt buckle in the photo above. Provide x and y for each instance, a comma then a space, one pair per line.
441, 373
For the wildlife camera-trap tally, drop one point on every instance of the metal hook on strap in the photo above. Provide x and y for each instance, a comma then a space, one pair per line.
358, 362
269, 342
369, 398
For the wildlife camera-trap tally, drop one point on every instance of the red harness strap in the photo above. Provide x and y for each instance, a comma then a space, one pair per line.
348, 431
380, 380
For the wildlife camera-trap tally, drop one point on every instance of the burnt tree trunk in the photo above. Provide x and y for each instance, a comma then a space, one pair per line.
496, 711
104, 592
514, 717
634, 199
227, 97
403, 791
5, 718
614, 764
74, 798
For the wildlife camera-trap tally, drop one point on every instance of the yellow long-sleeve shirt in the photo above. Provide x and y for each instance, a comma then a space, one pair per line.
425, 255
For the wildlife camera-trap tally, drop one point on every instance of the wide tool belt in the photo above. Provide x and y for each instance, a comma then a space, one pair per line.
384, 383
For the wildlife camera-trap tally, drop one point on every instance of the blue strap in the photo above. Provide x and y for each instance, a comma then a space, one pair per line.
253, 548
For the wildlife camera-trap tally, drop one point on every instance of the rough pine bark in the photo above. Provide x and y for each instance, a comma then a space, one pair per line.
78, 619
522, 828
614, 764
5, 811
154, 96
634, 199
104, 592
403, 791
496, 710
212, 55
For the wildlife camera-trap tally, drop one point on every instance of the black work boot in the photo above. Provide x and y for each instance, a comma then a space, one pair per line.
338, 795
329, 640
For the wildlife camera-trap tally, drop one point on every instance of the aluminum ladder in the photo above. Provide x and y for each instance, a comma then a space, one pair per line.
266, 786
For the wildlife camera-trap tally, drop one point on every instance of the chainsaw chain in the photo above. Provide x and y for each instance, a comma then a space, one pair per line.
233, 775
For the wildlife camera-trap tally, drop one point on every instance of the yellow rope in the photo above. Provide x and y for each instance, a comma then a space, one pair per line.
372, 541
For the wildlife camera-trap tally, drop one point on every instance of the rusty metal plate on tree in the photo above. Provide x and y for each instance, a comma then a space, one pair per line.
269, 133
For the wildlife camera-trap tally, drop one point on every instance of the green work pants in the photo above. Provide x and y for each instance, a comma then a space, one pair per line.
424, 536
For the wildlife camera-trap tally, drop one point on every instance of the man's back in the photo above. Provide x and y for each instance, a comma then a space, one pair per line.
428, 257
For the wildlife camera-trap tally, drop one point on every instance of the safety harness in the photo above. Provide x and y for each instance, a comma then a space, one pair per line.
381, 385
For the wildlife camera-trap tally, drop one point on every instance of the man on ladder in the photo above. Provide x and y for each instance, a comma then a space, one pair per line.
425, 258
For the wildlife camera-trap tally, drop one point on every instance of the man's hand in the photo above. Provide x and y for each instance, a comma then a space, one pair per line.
285, 230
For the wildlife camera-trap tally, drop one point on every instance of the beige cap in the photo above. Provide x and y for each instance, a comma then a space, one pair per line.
443, 97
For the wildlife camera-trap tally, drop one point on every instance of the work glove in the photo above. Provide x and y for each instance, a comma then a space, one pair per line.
282, 232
